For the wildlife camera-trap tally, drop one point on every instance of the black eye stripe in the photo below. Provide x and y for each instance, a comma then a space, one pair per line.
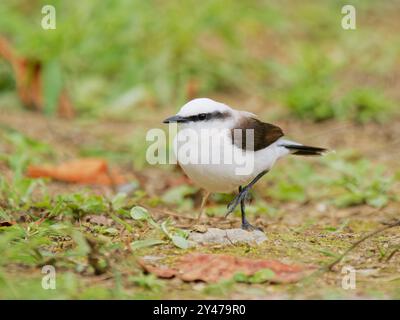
207, 116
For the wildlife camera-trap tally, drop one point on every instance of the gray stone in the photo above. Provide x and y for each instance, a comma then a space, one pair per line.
214, 236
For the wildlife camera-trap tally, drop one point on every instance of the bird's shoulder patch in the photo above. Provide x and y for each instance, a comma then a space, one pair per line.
264, 134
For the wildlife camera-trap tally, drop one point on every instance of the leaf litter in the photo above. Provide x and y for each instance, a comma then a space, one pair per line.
83, 171
212, 268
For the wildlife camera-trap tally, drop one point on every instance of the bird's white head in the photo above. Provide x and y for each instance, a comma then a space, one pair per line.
203, 112
202, 105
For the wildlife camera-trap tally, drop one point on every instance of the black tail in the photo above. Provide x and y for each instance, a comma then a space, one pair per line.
305, 150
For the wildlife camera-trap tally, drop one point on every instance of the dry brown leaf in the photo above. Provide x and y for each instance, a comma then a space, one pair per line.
28, 77
212, 268
84, 171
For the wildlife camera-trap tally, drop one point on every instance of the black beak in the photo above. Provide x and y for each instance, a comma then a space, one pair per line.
175, 119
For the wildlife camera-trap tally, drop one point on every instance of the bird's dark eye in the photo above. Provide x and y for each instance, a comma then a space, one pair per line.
202, 116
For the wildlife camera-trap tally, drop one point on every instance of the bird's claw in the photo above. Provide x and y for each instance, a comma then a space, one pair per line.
248, 227
243, 195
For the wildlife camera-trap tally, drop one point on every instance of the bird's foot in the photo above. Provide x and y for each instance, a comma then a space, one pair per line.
241, 196
248, 227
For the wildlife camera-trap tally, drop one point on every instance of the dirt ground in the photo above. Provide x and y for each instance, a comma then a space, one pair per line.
308, 232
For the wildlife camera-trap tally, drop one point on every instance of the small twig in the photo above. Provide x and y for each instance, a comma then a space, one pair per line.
397, 249
175, 215
229, 239
340, 258
320, 271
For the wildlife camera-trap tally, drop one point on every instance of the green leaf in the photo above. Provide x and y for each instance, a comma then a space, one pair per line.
180, 242
240, 277
262, 276
111, 231
379, 201
164, 229
118, 201
140, 213
177, 239
121, 221
330, 228
177, 194
328, 253
139, 244
149, 281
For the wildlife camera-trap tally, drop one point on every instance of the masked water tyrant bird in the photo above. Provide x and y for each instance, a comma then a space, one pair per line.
222, 149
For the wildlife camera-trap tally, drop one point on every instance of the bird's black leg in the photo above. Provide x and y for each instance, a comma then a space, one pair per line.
245, 224
243, 193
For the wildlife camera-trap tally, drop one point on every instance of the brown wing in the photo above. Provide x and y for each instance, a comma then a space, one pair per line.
264, 134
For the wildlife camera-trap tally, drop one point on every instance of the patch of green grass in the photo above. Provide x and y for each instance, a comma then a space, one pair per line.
220, 288
23, 150
149, 281
180, 195
310, 87
341, 181
291, 184
161, 55
260, 276
364, 105
315, 94
177, 236
360, 182
132, 56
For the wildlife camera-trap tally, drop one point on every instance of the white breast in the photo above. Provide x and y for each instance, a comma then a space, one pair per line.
227, 174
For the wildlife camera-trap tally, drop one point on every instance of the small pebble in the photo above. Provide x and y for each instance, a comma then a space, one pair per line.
227, 237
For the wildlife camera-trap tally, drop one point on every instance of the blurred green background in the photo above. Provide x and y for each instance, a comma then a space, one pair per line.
126, 65
117, 56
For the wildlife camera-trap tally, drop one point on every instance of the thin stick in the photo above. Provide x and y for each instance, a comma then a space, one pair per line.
386, 227
329, 267
172, 214
393, 253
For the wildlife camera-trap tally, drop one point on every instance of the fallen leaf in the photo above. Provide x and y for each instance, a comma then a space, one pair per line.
139, 213
139, 244
213, 268
180, 242
160, 271
84, 171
